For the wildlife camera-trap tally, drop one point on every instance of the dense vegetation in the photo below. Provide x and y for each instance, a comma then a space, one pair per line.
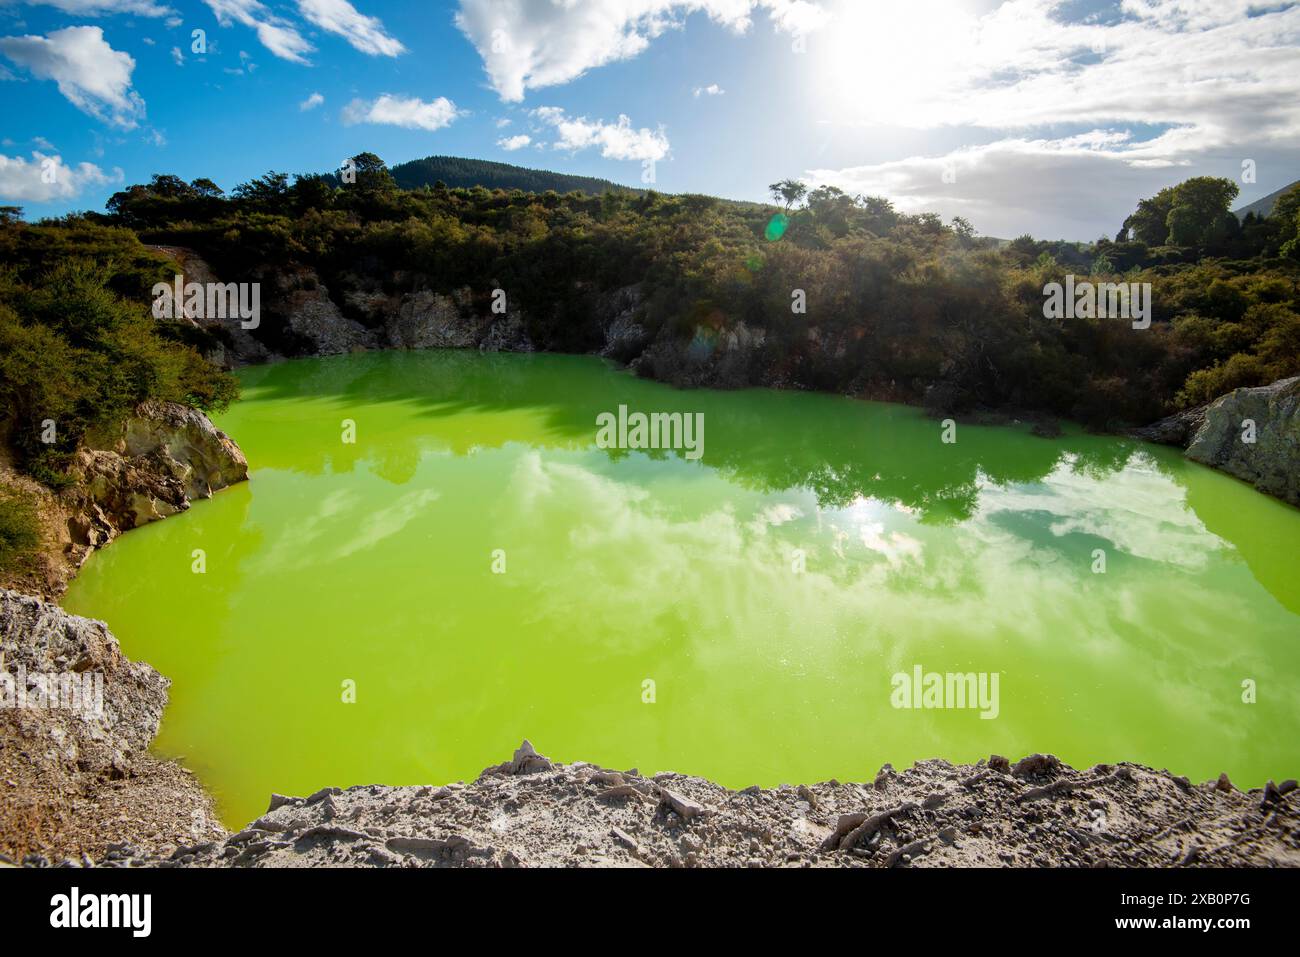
79, 347
19, 530
900, 307
458, 173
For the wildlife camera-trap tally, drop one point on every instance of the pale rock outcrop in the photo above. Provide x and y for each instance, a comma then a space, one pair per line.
312, 315
165, 455
429, 320
1216, 435
39, 638
243, 346
534, 812
1272, 461
78, 779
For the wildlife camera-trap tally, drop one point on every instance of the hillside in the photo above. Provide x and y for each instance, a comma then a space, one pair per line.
460, 173
1264, 207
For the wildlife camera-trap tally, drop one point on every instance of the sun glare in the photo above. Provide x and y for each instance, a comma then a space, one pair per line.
892, 63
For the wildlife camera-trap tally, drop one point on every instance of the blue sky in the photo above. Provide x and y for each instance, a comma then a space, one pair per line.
1024, 115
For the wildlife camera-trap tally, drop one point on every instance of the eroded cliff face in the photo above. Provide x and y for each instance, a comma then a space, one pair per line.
1252, 434
163, 457
76, 720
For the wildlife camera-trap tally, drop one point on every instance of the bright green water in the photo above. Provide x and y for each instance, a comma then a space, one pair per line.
372, 563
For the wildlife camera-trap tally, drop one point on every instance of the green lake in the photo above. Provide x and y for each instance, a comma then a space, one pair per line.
473, 569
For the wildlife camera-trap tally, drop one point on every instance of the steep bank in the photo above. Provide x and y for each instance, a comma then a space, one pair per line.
163, 457
531, 812
74, 783
78, 778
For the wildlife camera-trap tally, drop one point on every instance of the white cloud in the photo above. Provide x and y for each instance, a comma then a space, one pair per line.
529, 45
1183, 62
366, 34
311, 102
512, 143
711, 90
617, 141
1078, 187
405, 111
93, 76
177, 56
275, 33
1158, 87
95, 8
46, 178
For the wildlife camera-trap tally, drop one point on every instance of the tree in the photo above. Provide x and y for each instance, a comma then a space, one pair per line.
788, 191
1149, 223
1193, 213
264, 189
372, 174
167, 186
206, 188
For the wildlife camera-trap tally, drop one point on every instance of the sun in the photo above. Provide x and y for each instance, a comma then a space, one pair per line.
891, 63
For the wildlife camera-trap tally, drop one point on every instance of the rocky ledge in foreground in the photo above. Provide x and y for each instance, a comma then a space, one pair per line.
532, 812
77, 777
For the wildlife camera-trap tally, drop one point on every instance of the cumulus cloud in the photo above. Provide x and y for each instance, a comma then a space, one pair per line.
93, 76
366, 34
46, 178
275, 33
96, 8
532, 45
619, 141
711, 90
512, 143
405, 111
311, 102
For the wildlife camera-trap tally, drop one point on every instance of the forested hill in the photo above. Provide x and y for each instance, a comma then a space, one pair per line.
1264, 207
459, 173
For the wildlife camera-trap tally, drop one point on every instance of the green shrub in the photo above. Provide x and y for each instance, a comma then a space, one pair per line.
19, 530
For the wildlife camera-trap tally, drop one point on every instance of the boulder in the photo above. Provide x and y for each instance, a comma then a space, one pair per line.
1271, 462
165, 455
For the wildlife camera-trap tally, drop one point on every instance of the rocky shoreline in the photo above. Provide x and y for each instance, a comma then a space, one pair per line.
72, 784
532, 812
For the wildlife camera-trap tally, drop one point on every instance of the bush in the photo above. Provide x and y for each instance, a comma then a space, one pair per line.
20, 532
